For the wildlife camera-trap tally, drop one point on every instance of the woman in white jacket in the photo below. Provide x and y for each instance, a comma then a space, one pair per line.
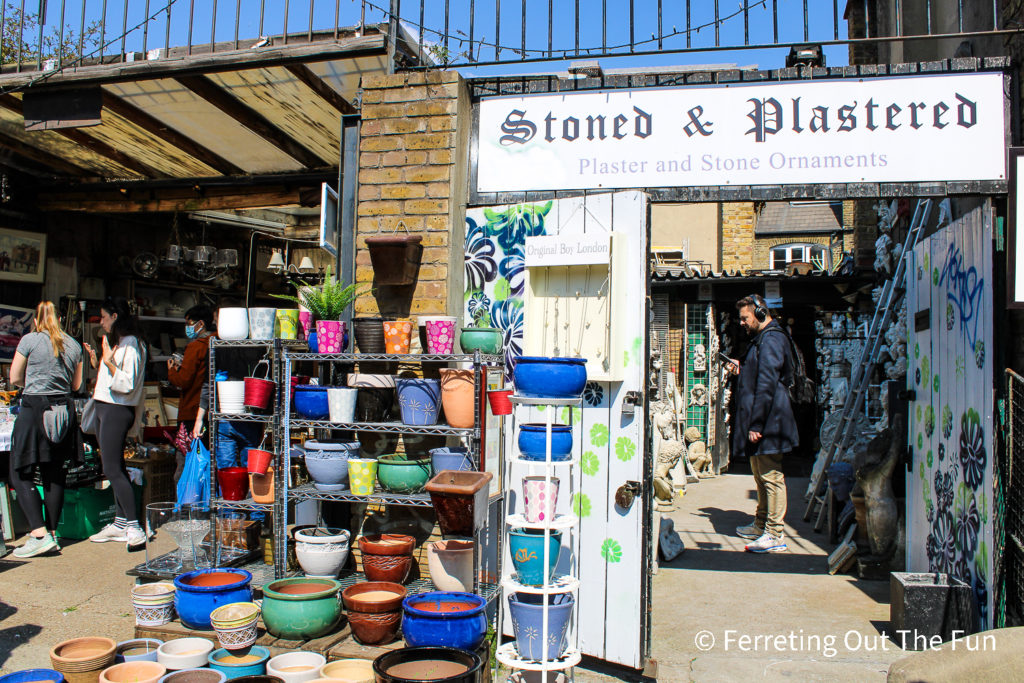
118, 400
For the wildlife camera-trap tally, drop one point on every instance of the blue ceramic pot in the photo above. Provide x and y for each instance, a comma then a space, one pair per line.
454, 458
327, 461
527, 549
204, 590
541, 377
533, 441
32, 675
230, 670
419, 399
311, 401
312, 343
149, 645
444, 619
528, 623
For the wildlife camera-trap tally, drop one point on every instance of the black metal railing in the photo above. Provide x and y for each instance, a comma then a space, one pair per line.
46, 34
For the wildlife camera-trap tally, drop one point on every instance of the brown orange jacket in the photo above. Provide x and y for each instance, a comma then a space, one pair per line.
191, 376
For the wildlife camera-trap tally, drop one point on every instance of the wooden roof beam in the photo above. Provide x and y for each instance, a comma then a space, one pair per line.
250, 118
156, 127
51, 161
141, 200
317, 85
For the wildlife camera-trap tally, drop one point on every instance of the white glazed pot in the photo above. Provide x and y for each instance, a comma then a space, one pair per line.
230, 396
341, 401
322, 556
184, 653
296, 667
233, 323
261, 323
451, 565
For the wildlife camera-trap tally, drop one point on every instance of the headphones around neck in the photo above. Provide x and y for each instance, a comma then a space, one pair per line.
760, 307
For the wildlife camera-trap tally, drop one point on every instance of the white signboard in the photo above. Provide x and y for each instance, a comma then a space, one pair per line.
904, 129
568, 250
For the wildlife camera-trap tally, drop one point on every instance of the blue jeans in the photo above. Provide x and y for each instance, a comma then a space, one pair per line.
233, 438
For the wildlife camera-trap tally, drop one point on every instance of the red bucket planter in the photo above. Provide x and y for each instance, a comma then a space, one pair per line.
499, 400
259, 461
259, 391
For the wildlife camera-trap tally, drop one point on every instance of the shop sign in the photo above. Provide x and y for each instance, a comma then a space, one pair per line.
568, 250
900, 129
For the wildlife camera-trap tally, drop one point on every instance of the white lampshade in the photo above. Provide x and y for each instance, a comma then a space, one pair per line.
276, 264
306, 265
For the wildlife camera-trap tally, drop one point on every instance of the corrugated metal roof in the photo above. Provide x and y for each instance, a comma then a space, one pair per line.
778, 218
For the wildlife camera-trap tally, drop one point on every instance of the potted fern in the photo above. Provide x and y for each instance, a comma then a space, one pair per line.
326, 304
481, 336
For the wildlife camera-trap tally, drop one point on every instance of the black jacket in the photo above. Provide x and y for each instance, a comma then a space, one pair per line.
762, 397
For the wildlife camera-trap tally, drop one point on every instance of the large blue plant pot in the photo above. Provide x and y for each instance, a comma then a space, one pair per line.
327, 461
528, 623
527, 549
533, 441
232, 671
444, 619
311, 401
453, 458
419, 399
194, 602
33, 676
314, 347
543, 377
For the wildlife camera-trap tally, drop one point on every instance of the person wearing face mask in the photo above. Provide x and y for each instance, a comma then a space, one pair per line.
189, 374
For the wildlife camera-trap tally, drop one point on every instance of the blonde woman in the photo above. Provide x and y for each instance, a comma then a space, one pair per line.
48, 365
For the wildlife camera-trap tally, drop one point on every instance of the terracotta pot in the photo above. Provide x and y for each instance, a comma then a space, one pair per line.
387, 544
457, 397
133, 672
262, 487
388, 568
375, 629
82, 655
395, 258
369, 597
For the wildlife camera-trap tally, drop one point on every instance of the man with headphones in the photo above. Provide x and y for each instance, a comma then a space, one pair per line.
764, 428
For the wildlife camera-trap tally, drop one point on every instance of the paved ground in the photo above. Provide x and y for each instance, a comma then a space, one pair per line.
713, 588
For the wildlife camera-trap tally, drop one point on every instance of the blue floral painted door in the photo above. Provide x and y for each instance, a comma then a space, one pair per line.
608, 552
950, 491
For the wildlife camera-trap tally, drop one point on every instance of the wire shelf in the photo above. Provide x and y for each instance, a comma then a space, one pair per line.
559, 522
246, 504
255, 343
536, 401
310, 492
574, 460
389, 427
508, 655
560, 583
147, 570
398, 357
242, 417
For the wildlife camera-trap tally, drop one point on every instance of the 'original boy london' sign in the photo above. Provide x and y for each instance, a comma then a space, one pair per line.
904, 129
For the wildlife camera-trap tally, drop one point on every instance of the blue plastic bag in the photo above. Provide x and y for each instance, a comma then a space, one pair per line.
194, 485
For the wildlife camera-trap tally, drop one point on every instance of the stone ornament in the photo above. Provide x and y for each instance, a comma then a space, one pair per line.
700, 359
667, 451
698, 395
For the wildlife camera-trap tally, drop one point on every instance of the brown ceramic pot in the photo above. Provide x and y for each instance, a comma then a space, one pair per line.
375, 629
387, 544
369, 597
386, 568
261, 487
80, 655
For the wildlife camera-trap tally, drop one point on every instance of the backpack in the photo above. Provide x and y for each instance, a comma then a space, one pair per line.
800, 387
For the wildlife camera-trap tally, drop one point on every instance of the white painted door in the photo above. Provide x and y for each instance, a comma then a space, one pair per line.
609, 553
950, 491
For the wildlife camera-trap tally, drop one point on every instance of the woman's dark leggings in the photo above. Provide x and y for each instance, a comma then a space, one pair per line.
113, 423
53, 477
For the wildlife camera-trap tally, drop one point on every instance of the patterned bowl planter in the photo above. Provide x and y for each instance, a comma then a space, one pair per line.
331, 336
322, 552
327, 461
261, 323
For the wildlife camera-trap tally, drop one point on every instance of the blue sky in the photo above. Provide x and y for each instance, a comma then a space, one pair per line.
821, 21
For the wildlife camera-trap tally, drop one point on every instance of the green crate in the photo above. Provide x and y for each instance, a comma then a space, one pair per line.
88, 509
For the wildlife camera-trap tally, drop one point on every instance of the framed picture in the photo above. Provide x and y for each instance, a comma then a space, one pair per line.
15, 322
22, 255
328, 220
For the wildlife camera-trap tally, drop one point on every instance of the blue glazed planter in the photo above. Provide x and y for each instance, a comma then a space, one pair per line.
32, 675
419, 399
327, 461
527, 623
312, 343
311, 401
444, 619
527, 549
194, 602
533, 438
230, 671
542, 377
454, 458
150, 646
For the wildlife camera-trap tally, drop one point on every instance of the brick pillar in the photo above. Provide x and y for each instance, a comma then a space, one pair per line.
737, 221
415, 127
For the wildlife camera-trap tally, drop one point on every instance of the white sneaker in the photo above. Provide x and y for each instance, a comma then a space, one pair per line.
109, 533
750, 531
36, 546
766, 544
134, 537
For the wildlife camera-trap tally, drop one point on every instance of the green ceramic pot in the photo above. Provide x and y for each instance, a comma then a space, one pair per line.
301, 608
398, 474
483, 339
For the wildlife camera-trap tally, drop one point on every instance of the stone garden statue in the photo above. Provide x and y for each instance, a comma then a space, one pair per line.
700, 359
873, 468
667, 452
697, 453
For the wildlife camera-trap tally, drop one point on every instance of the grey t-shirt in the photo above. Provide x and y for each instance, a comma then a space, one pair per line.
44, 372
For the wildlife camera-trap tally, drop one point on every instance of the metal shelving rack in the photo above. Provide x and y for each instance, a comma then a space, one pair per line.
275, 349
474, 434
508, 654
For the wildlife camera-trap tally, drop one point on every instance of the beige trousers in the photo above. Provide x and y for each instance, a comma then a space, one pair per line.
771, 493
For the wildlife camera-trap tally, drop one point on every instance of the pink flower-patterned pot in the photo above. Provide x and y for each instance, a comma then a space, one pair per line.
441, 335
331, 336
306, 321
539, 498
